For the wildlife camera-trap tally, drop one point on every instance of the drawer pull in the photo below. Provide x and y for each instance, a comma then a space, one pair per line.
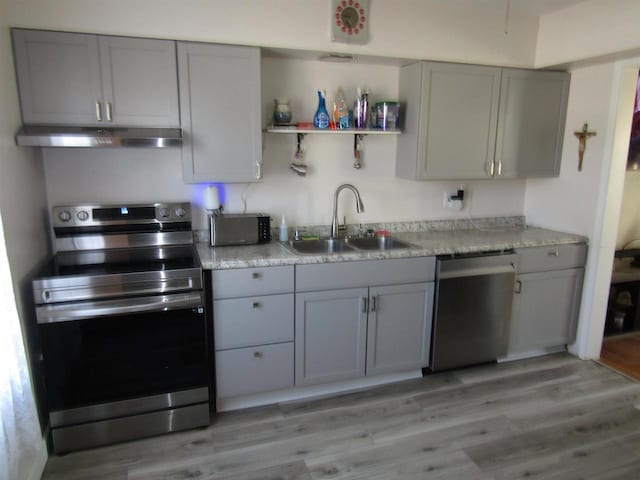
256, 305
518, 288
554, 253
365, 304
257, 355
255, 275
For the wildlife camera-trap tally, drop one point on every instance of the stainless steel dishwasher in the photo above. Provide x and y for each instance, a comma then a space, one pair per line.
473, 308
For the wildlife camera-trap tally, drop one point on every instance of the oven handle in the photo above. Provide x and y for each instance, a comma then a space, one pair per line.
67, 312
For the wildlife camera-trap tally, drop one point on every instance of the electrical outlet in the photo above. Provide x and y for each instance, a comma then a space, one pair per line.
454, 200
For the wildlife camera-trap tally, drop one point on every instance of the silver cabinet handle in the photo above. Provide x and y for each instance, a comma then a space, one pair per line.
500, 168
492, 167
365, 304
256, 305
554, 253
257, 355
374, 303
256, 275
109, 116
98, 111
518, 288
258, 170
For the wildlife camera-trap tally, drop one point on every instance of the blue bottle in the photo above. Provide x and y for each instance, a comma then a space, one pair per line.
321, 118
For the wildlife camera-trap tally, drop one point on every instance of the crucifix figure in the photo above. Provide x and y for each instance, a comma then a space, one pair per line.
583, 135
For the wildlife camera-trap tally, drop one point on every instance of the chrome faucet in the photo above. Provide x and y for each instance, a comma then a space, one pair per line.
359, 207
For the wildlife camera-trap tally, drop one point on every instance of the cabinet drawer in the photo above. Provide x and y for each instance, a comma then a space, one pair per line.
553, 257
245, 282
244, 371
243, 322
333, 276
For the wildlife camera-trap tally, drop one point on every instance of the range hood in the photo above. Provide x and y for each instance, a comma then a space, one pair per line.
38, 136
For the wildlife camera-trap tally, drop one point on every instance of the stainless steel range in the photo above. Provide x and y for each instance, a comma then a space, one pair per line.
122, 322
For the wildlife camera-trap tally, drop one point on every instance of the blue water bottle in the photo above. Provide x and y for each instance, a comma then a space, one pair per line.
321, 118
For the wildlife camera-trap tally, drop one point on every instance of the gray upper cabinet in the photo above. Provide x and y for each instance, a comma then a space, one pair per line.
450, 121
475, 122
140, 81
220, 110
92, 80
533, 106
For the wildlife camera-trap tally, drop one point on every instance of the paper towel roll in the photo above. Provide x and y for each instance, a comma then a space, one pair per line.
211, 198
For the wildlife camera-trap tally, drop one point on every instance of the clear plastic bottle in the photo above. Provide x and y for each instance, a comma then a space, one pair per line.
284, 231
321, 118
342, 111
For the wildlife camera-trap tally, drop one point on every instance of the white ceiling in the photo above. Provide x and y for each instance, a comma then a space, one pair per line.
531, 7
540, 7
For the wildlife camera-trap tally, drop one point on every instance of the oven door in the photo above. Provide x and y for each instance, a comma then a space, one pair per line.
106, 354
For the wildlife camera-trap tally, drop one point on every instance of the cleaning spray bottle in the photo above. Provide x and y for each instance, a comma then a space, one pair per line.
321, 118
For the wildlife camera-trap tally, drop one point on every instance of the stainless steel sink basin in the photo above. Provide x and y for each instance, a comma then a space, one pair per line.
341, 245
325, 245
377, 243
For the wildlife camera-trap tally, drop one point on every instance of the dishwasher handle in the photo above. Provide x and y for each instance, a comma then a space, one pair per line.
477, 272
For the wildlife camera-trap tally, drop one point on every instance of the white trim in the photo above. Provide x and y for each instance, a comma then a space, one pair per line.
311, 392
39, 462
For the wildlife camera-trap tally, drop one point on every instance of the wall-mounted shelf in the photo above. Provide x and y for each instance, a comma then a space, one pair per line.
358, 136
333, 131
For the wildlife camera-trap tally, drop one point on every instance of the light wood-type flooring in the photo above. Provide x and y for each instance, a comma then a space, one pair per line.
622, 353
554, 417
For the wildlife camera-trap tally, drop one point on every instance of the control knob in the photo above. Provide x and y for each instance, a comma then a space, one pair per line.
82, 215
180, 212
64, 216
164, 212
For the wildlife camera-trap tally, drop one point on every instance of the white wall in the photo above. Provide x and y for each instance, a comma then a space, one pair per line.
430, 29
587, 30
80, 175
23, 207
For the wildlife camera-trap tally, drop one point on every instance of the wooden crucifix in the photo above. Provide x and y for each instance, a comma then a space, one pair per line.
583, 135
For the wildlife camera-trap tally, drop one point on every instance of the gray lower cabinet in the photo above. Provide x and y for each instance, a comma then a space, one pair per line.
221, 118
253, 330
477, 122
399, 328
547, 299
95, 80
349, 323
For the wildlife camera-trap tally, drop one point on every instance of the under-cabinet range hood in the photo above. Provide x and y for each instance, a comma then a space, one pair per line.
48, 136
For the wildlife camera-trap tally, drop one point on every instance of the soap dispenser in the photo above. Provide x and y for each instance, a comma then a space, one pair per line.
284, 231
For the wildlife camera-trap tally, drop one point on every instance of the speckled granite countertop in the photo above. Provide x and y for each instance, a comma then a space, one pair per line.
425, 243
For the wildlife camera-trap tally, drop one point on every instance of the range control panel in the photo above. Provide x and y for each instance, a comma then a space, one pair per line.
131, 214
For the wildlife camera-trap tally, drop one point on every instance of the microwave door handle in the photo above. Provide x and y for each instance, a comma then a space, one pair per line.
86, 310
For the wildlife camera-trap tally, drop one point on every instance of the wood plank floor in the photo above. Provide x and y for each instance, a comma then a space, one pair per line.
554, 417
622, 353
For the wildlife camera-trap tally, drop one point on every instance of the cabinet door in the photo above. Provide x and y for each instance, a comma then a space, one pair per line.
331, 335
220, 111
533, 106
399, 328
140, 82
58, 77
457, 121
545, 310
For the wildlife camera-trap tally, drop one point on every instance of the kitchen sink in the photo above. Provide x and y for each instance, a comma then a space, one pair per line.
341, 245
324, 245
378, 243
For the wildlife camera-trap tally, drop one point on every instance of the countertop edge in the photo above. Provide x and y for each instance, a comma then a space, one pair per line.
425, 244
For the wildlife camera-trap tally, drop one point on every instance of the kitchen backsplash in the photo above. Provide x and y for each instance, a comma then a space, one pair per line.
487, 223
